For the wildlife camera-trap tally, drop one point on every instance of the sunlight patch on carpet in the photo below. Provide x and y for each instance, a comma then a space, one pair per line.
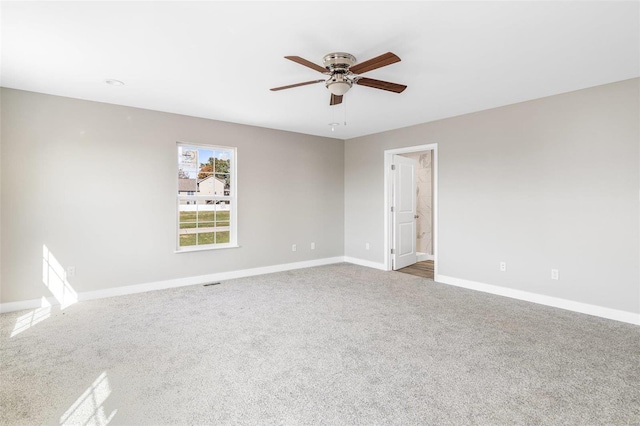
88, 409
30, 319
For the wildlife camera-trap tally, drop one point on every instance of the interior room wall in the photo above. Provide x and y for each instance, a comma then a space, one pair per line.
95, 184
549, 183
424, 200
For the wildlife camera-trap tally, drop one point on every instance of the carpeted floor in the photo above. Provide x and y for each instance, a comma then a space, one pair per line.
338, 344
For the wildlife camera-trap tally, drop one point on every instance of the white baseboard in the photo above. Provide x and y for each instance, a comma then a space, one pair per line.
28, 304
599, 311
179, 282
421, 257
367, 263
556, 302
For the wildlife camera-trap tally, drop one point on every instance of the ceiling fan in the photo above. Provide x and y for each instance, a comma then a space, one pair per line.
343, 72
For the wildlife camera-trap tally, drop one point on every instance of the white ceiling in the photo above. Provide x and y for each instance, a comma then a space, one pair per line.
219, 59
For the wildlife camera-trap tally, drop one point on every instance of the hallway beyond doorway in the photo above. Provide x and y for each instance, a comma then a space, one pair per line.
422, 269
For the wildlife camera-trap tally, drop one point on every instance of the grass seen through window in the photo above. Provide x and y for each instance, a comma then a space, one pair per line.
213, 227
204, 238
197, 219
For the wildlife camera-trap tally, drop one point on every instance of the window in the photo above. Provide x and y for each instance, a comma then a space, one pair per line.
206, 199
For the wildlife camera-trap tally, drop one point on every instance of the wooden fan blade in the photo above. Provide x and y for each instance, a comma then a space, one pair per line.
296, 85
383, 85
302, 61
335, 99
377, 62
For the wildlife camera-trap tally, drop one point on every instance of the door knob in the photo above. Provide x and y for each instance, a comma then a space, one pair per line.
415, 216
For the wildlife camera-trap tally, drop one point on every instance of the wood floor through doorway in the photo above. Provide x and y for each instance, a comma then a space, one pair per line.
422, 269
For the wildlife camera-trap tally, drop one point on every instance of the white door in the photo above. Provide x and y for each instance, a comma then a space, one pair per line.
404, 212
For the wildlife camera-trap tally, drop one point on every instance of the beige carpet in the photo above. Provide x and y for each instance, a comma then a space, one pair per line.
339, 344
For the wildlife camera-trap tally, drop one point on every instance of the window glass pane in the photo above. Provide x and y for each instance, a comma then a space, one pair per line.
206, 222
188, 222
187, 158
206, 161
222, 161
187, 239
205, 238
187, 174
210, 185
187, 169
204, 226
205, 211
204, 173
222, 237
222, 214
224, 182
186, 185
188, 214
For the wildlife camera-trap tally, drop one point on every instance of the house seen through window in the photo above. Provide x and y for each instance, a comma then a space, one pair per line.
206, 197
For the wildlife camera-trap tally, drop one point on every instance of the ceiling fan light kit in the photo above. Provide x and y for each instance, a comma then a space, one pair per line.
338, 84
343, 72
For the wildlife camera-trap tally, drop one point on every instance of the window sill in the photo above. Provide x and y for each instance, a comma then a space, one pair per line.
217, 247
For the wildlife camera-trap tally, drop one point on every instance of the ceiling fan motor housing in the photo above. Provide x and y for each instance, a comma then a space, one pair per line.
338, 61
338, 64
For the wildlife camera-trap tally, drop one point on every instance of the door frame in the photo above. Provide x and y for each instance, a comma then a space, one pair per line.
388, 193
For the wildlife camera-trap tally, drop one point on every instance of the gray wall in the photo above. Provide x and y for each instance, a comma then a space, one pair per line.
95, 183
550, 183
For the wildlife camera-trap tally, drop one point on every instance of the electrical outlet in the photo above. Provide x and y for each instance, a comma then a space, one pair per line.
313, 246
71, 271
503, 266
555, 274
366, 246
293, 247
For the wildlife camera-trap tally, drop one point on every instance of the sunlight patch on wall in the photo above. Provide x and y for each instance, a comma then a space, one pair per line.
88, 409
54, 277
30, 319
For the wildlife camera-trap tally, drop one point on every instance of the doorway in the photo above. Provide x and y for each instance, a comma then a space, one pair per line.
398, 253
423, 269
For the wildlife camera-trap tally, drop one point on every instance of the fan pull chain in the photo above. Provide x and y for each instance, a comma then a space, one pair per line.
345, 112
333, 119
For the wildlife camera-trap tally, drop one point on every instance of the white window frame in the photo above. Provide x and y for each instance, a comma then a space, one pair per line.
232, 198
